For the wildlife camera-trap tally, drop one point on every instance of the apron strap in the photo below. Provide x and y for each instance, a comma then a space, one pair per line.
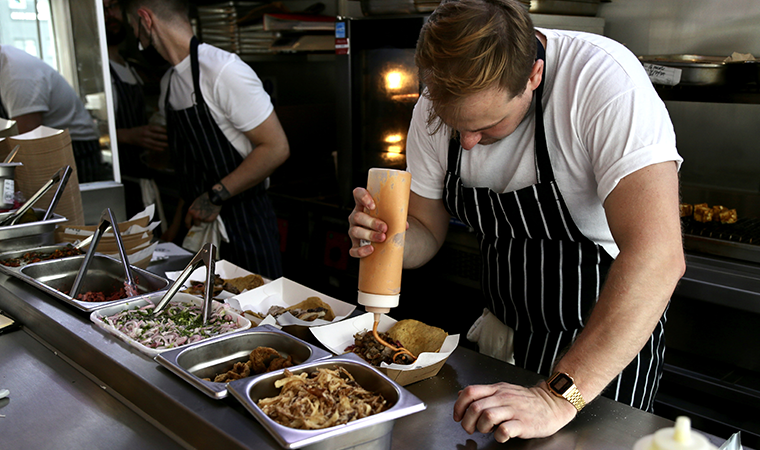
544, 172
198, 96
3, 112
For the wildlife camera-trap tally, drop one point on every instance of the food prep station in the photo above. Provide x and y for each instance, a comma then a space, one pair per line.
156, 408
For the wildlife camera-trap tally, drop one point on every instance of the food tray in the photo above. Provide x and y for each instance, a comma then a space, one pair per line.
373, 432
205, 359
338, 336
696, 70
18, 253
104, 274
27, 235
97, 318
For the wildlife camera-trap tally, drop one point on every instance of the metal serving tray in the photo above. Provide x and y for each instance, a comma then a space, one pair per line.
373, 432
96, 317
208, 358
18, 253
696, 70
105, 274
27, 235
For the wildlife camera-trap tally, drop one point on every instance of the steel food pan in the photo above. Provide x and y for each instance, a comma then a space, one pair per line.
31, 234
105, 274
208, 358
97, 316
696, 70
47, 249
373, 432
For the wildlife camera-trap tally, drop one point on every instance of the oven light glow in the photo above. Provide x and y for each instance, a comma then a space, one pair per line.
394, 149
394, 80
393, 138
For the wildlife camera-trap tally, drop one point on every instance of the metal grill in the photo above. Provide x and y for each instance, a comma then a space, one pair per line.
745, 230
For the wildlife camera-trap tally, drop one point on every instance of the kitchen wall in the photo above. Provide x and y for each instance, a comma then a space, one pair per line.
720, 142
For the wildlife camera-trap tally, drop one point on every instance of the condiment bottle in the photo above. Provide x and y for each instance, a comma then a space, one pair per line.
680, 437
380, 272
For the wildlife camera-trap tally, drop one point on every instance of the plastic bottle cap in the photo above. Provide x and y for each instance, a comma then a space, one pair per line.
679, 437
385, 302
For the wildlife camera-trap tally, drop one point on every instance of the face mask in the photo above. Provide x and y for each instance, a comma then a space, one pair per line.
150, 54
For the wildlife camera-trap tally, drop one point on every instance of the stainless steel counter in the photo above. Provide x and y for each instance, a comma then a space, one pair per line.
194, 420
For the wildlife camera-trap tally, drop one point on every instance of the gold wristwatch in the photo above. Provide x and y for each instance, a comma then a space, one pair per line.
563, 385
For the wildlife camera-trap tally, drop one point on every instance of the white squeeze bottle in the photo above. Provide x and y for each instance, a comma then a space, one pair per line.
380, 272
680, 437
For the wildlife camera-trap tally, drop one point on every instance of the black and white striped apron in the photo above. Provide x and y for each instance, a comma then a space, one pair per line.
541, 276
204, 156
130, 113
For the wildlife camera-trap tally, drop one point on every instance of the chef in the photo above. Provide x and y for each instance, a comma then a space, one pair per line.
223, 130
32, 93
135, 136
554, 147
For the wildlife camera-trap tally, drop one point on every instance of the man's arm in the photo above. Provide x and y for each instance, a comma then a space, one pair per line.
28, 122
643, 216
271, 149
427, 222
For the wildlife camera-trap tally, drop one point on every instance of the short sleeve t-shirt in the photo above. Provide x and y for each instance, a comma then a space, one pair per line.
603, 121
29, 85
231, 89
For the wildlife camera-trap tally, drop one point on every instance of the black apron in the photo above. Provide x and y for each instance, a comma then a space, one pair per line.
3, 112
541, 276
204, 156
130, 113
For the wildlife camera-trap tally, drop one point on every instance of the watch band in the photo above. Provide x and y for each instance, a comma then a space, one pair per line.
215, 196
563, 385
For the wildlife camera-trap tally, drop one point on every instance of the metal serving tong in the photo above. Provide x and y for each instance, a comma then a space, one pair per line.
206, 255
61, 177
107, 220
12, 154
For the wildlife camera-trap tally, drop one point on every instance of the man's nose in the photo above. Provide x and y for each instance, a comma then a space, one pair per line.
469, 139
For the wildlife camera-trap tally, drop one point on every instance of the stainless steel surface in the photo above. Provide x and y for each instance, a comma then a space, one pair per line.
368, 432
721, 281
567, 7
696, 70
206, 255
720, 247
203, 422
105, 274
27, 235
107, 220
13, 271
11, 219
52, 405
217, 355
59, 190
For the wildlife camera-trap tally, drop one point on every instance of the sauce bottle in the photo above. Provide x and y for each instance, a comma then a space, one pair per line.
380, 272
680, 437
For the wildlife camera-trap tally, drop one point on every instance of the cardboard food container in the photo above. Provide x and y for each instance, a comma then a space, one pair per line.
284, 292
223, 268
338, 336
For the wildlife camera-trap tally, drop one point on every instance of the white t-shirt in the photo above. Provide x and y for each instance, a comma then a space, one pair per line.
231, 89
603, 121
29, 85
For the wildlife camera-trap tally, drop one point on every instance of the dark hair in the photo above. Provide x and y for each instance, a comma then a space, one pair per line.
165, 9
468, 46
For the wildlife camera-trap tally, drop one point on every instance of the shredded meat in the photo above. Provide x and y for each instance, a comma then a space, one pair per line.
320, 399
366, 346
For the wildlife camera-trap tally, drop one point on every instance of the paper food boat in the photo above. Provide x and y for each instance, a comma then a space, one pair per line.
223, 268
284, 292
338, 336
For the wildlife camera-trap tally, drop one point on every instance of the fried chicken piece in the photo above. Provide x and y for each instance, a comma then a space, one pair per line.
238, 371
261, 357
280, 363
703, 213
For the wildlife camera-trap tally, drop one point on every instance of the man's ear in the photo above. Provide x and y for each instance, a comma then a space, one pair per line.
146, 16
536, 74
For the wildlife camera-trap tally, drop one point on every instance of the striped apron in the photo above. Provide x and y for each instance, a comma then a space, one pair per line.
541, 276
130, 113
204, 156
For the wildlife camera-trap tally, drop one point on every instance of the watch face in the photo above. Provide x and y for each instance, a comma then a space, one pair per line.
561, 383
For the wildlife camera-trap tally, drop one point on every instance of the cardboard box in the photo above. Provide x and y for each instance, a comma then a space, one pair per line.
285, 292
338, 336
